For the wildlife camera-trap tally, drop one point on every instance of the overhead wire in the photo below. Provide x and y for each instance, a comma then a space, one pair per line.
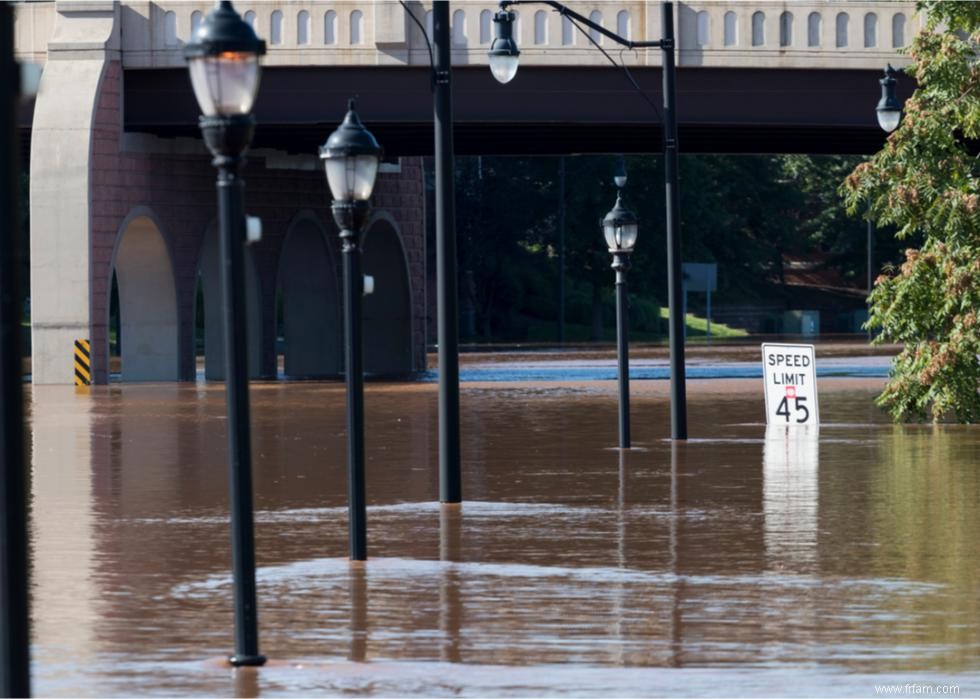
620, 64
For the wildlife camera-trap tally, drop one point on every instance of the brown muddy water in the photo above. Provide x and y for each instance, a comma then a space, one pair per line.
744, 562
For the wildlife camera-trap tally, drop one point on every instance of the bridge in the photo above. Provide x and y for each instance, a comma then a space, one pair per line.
122, 191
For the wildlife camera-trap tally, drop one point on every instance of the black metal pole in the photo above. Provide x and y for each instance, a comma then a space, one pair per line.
678, 383
871, 243
15, 679
561, 249
871, 248
622, 353
450, 479
228, 137
349, 217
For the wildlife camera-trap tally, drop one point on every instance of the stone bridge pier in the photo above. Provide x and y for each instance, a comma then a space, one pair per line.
141, 209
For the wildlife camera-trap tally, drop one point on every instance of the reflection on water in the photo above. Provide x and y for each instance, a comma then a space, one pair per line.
791, 490
733, 562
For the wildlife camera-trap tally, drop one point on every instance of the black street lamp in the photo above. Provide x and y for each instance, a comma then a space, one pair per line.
223, 61
889, 111
447, 278
351, 157
504, 56
619, 174
889, 107
15, 635
620, 227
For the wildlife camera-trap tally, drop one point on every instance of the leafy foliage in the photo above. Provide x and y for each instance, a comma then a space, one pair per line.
924, 183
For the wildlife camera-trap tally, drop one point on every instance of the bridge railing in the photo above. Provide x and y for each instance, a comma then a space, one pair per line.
732, 33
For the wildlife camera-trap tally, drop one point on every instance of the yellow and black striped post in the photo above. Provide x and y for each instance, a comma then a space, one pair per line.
83, 363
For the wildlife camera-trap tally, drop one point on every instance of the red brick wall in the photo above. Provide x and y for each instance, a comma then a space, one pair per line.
179, 192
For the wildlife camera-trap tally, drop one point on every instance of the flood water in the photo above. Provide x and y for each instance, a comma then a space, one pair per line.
744, 562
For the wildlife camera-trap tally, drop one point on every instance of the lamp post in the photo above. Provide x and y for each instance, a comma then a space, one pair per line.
889, 112
447, 283
350, 157
620, 227
223, 61
15, 675
504, 56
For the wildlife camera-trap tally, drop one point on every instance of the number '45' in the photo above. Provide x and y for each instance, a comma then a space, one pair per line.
783, 409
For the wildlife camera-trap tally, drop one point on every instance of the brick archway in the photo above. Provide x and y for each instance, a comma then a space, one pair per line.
147, 301
310, 298
209, 278
387, 311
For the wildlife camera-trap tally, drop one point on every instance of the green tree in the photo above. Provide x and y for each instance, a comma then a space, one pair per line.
924, 181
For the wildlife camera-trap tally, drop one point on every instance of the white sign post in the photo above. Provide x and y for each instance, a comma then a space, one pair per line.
790, 375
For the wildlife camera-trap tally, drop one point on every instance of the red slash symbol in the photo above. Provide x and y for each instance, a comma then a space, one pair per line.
791, 391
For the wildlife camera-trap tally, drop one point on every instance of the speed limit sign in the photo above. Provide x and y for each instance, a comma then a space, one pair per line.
791, 384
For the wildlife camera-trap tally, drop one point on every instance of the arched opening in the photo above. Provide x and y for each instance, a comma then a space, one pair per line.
758, 28
147, 304
310, 304
303, 27
842, 22
356, 22
114, 329
170, 28
540, 27
200, 346
898, 31
275, 27
786, 29
731, 29
212, 306
704, 28
623, 24
486, 17
387, 312
330, 27
196, 18
813, 23
870, 30
567, 32
249, 18
459, 28
596, 18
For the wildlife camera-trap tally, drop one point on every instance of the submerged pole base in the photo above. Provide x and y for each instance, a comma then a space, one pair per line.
246, 660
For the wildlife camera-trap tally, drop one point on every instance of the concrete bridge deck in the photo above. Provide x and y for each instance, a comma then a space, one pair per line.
122, 189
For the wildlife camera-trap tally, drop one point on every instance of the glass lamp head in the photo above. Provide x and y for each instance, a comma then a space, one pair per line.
889, 108
620, 228
504, 54
619, 174
223, 61
351, 157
